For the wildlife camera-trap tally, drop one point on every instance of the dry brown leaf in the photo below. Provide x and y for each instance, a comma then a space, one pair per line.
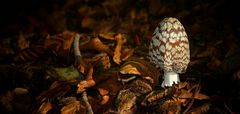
129, 69
103, 91
98, 45
73, 108
88, 82
45, 107
200, 109
128, 52
20, 91
171, 106
117, 52
184, 94
6, 99
68, 38
88, 22
104, 94
22, 42
57, 89
101, 58
200, 96
59, 42
108, 35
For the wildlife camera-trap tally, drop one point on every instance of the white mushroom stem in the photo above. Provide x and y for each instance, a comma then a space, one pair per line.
170, 78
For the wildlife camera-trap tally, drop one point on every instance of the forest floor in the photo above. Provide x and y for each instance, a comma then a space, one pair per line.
39, 73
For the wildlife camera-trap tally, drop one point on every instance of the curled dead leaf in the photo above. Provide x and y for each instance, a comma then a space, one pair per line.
20, 91
73, 108
22, 41
139, 68
127, 52
88, 82
129, 69
45, 107
108, 35
97, 44
101, 58
117, 52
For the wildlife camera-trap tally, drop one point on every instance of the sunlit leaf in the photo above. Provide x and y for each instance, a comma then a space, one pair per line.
129, 69
88, 82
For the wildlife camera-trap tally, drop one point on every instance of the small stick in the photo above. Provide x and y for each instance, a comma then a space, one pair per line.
77, 53
85, 99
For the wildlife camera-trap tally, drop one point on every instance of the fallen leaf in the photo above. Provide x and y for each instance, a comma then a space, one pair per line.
129, 69
184, 94
200, 96
6, 100
45, 107
117, 52
107, 35
127, 52
68, 38
73, 108
97, 44
20, 91
101, 58
88, 82
200, 109
22, 42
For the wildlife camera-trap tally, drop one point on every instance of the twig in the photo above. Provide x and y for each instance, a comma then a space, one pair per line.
228, 109
77, 52
85, 99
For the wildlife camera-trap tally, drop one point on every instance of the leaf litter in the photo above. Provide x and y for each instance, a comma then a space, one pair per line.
106, 70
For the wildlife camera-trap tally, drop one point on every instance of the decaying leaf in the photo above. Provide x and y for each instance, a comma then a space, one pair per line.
45, 107
108, 35
22, 42
5, 100
126, 53
60, 42
200, 96
30, 54
20, 91
65, 73
73, 108
97, 44
117, 52
126, 101
200, 109
170, 106
101, 58
56, 89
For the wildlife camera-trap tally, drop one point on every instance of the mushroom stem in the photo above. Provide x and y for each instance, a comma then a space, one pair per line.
170, 78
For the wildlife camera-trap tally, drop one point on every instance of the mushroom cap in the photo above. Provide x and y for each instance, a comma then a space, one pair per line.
169, 47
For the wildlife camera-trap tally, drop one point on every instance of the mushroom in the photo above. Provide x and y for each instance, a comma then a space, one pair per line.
169, 50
